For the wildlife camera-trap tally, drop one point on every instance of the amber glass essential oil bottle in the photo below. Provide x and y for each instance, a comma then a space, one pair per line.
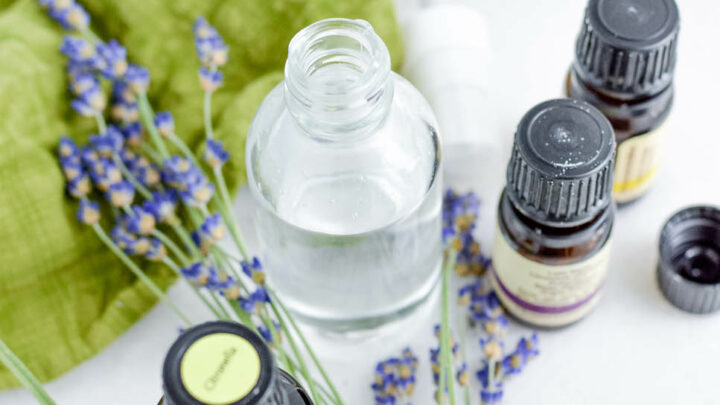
555, 216
624, 63
225, 363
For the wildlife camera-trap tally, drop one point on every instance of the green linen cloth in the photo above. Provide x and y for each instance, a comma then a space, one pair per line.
63, 295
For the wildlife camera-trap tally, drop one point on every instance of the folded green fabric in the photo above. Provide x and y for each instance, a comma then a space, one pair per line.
63, 296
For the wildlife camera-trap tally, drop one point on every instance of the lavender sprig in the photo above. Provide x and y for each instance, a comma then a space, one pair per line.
478, 305
395, 379
24, 375
114, 164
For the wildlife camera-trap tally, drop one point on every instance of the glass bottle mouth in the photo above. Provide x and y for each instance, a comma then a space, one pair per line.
336, 76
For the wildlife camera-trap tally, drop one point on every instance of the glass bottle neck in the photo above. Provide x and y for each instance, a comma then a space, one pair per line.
337, 79
549, 242
628, 117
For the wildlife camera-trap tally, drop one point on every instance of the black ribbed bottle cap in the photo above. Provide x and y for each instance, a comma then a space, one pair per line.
628, 47
560, 171
689, 267
219, 363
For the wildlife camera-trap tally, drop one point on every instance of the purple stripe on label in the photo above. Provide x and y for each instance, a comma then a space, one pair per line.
539, 308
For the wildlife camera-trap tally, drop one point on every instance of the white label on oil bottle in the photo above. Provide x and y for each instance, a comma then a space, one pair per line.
637, 163
547, 295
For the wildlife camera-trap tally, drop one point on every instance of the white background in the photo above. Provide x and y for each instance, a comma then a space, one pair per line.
635, 348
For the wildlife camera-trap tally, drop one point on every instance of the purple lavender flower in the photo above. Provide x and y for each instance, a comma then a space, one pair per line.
178, 165
459, 213
198, 192
104, 173
89, 212
459, 205
255, 301
513, 364
176, 172
139, 246
210, 47
113, 56
140, 221
156, 252
165, 123
492, 348
466, 292
69, 14
462, 376
486, 309
127, 113
254, 270
149, 175
90, 102
89, 156
121, 92
395, 378
203, 241
121, 194
138, 78
122, 238
132, 133
483, 375
109, 143
124, 105
67, 148
215, 155
80, 53
211, 231
82, 82
163, 206
203, 30
267, 334
72, 169
529, 347
213, 227
196, 273
79, 187
210, 80
226, 285
526, 349
129, 157
489, 397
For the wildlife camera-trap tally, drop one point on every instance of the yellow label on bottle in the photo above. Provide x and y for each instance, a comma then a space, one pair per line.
220, 369
636, 164
547, 295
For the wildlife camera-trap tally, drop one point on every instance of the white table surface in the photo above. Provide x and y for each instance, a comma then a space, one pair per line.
635, 348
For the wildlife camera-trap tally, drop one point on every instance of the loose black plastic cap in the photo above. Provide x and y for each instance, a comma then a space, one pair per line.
628, 47
560, 171
175, 391
689, 268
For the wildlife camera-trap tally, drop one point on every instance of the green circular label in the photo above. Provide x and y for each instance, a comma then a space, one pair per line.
220, 369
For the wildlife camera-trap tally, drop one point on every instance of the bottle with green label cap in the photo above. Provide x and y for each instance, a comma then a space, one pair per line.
225, 363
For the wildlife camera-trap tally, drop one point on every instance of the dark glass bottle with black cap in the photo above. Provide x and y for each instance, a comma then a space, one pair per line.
225, 363
555, 216
624, 63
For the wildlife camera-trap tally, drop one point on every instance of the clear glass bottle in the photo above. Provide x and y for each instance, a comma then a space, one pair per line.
624, 64
226, 363
343, 160
556, 214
